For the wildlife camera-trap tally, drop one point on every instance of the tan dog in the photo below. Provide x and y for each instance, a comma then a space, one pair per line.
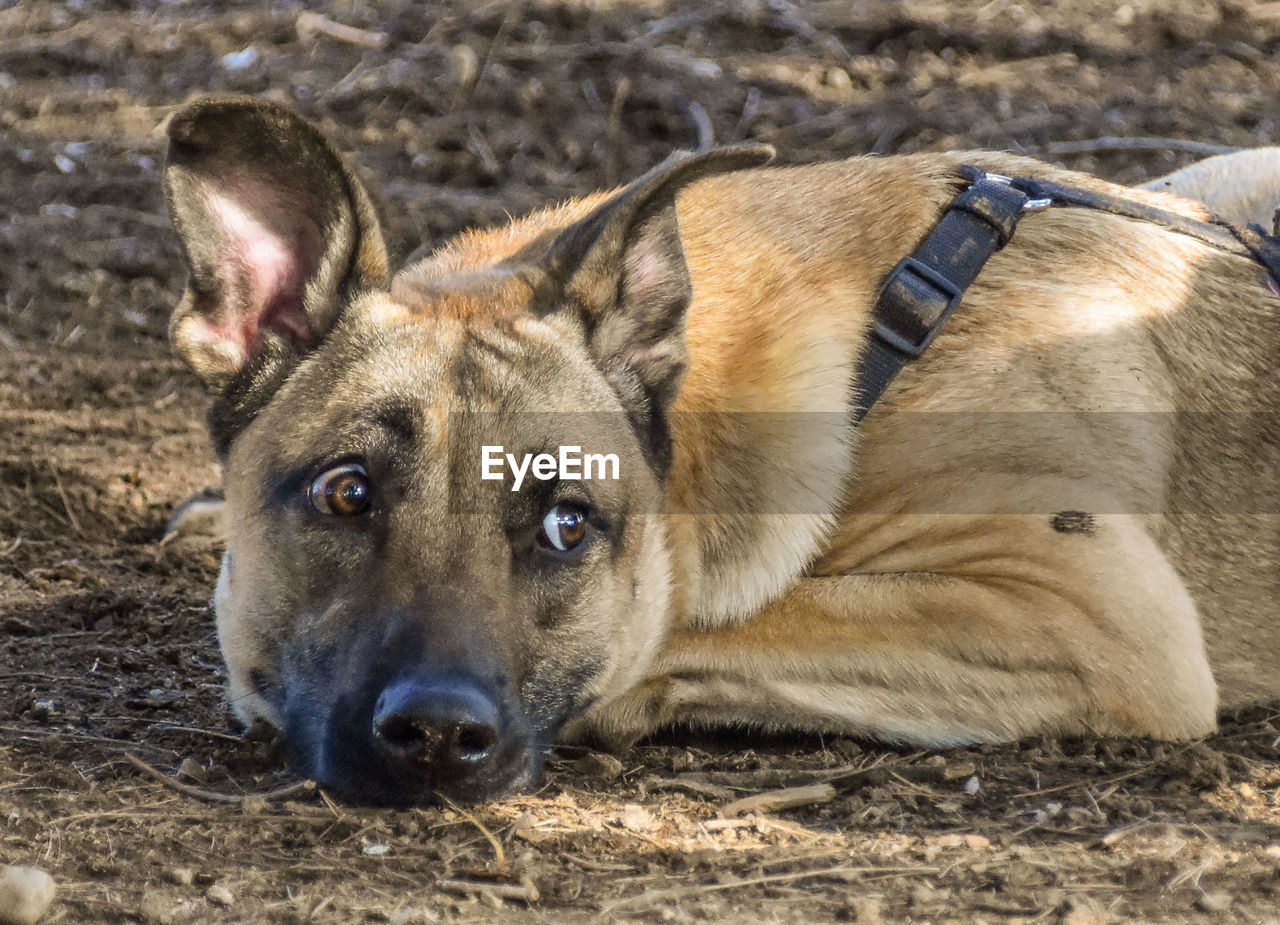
1056, 520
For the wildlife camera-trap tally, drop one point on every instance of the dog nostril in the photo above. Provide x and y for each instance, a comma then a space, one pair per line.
475, 739
428, 724
404, 734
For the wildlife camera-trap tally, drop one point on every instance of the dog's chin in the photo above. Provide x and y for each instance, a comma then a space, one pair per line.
251, 709
441, 796
429, 790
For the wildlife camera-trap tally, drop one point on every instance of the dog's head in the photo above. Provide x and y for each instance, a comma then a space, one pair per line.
410, 625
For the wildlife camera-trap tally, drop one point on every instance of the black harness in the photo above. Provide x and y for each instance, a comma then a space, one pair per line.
922, 291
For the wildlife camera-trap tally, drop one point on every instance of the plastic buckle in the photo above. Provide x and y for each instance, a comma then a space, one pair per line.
944, 286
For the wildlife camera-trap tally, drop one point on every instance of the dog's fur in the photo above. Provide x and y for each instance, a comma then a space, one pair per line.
1054, 521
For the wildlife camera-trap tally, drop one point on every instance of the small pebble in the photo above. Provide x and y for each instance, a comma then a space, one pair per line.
635, 817
182, 876
413, 917
959, 770
191, 770
464, 64
25, 895
59, 209
921, 896
1217, 902
972, 785
239, 60
156, 909
219, 895
1080, 910
839, 78
865, 909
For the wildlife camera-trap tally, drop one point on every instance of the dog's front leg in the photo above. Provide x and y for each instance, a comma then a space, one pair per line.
1029, 628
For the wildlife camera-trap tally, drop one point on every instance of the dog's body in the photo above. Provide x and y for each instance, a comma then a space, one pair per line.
1056, 520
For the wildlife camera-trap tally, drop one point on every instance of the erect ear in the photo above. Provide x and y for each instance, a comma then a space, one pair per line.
277, 232
624, 269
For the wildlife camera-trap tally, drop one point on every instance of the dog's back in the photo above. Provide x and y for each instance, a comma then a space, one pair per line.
1134, 363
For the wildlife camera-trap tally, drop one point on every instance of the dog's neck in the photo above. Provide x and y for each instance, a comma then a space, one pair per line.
762, 429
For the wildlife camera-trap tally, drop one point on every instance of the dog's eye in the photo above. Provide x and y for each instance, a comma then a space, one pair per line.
563, 527
343, 491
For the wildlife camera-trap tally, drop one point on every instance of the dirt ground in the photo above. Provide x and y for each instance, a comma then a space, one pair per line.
459, 113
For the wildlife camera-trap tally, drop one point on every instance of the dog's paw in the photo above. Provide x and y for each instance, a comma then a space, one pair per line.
198, 521
621, 722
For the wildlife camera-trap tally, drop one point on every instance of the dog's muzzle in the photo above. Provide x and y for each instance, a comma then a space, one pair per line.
399, 718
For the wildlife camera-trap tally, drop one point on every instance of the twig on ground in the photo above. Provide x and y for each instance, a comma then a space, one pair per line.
500, 856
310, 24
613, 129
211, 733
701, 122
685, 785
212, 796
598, 866
66, 505
524, 892
750, 106
31, 733
1115, 836
499, 36
788, 16
774, 800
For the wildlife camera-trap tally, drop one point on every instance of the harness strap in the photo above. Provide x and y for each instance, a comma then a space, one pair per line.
923, 290
1250, 241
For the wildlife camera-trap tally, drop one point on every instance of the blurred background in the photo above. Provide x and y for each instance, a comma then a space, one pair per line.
462, 112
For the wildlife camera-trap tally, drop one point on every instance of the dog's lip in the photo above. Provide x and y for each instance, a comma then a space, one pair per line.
366, 793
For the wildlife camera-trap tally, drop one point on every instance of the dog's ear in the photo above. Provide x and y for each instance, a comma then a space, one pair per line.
277, 232
623, 268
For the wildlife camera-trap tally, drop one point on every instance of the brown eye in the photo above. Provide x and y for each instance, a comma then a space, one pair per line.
342, 491
563, 527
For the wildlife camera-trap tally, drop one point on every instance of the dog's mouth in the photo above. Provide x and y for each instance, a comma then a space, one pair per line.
361, 783
406, 707
421, 738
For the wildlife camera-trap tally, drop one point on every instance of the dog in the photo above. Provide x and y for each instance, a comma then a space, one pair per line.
1053, 521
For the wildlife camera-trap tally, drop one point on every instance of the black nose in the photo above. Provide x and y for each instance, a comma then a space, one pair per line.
449, 726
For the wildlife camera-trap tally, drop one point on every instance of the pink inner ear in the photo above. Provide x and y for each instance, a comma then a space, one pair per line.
649, 271
263, 275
